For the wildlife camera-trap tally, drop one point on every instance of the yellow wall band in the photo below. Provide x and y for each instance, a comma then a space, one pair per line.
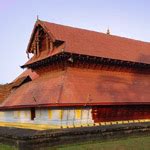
78, 114
50, 114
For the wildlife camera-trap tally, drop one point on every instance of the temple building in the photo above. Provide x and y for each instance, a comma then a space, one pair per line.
76, 76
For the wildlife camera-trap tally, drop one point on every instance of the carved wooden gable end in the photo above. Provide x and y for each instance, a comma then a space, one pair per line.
40, 41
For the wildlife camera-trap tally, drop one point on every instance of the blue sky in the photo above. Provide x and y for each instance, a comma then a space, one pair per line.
128, 18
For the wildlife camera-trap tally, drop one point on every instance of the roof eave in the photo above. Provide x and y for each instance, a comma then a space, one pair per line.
73, 105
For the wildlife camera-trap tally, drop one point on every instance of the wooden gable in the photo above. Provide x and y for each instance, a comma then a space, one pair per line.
40, 40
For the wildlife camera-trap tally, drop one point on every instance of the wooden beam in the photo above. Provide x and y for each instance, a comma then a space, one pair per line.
47, 43
51, 45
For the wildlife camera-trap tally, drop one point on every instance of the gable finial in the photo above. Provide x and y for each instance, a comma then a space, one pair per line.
28, 55
108, 31
37, 17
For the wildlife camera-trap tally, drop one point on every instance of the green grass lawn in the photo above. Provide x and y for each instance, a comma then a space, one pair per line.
141, 143
134, 143
6, 147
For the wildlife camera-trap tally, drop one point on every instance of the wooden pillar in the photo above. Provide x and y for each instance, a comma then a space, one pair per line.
34, 47
51, 45
37, 43
28, 55
47, 42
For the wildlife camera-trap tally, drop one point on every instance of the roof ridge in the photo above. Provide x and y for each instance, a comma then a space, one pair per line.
94, 31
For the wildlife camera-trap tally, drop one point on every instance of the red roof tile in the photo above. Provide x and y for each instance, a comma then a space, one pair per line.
77, 87
6, 89
43, 90
103, 87
33, 75
98, 44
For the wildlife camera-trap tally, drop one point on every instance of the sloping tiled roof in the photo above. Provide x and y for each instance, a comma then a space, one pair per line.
6, 89
81, 41
43, 90
33, 75
77, 87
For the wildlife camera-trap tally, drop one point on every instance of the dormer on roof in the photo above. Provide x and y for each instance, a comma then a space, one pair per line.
41, 40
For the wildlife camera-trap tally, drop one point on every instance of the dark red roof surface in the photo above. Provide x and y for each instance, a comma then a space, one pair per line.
79, 87
98, 44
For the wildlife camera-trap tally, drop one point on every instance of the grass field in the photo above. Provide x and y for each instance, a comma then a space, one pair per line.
138, 143
6, 147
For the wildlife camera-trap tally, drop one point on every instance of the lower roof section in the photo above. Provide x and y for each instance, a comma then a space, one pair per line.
105, 87
43, 90
81, 87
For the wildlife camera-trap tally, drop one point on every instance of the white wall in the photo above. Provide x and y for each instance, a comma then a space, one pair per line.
53, 116
15, 116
